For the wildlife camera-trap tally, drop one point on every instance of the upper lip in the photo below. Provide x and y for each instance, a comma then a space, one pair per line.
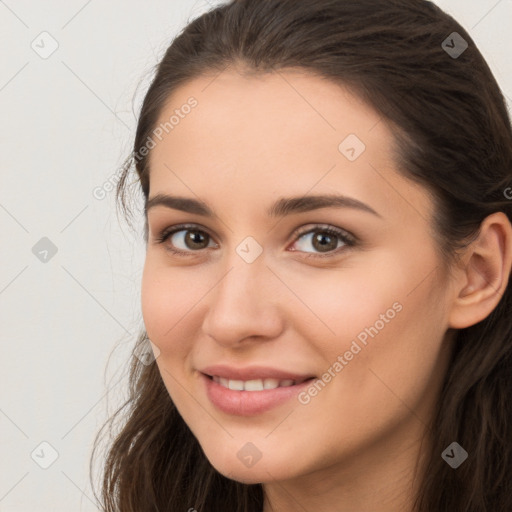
253, 373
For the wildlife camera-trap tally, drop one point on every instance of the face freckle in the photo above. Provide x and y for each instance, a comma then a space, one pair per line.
367, 322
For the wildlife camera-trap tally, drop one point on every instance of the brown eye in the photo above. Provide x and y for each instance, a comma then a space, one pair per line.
185, 239
325, 241
195, 239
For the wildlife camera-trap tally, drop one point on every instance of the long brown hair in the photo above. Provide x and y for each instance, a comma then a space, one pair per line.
453, 134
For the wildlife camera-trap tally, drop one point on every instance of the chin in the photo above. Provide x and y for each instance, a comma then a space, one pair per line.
266, 469
247, 478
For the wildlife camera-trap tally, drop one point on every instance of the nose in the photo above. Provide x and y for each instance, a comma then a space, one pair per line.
244, 305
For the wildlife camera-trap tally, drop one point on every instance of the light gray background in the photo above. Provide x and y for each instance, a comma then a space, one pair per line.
68, 122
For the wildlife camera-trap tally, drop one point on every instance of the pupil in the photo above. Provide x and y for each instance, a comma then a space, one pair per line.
194, 238
321, 238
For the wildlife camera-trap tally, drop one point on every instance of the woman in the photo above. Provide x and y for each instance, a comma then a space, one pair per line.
327, 277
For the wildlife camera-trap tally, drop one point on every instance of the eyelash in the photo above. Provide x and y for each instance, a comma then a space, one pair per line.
348, 239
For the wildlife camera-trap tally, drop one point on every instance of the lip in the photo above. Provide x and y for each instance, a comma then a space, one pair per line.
249, 403
253, 372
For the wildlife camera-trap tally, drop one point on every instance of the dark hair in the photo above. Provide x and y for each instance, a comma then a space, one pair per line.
453, 135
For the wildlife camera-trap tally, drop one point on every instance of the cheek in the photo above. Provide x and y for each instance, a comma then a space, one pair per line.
167, 296
389, 332
385, 314
339, 304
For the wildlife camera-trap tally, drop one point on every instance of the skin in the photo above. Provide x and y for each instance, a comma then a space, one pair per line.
357, 444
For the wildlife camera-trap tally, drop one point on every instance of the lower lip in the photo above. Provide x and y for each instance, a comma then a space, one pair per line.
248, 403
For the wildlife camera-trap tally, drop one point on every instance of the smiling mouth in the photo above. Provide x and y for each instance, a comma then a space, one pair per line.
255, 384
238, 397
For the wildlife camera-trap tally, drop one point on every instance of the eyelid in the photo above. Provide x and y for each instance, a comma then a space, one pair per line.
164, 234
348, 239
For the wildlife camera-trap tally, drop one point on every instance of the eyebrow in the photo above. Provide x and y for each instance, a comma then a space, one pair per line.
282, 207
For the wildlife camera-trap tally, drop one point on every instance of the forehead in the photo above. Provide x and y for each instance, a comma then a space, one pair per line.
288, 130
264, 114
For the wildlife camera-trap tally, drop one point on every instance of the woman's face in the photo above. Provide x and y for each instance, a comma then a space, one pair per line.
262, 291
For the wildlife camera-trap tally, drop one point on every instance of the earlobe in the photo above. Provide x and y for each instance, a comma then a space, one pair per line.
481, 282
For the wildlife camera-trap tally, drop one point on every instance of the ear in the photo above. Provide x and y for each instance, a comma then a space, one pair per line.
481, 281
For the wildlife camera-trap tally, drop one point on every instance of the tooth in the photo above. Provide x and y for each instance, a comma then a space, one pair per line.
270, 383
253, 385
237, 385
